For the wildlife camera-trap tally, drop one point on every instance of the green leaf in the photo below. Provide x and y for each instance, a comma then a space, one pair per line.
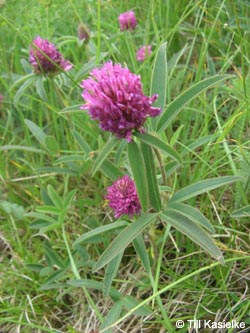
192, 214
52, 257
110, 170
193, 231
69, 159
88, 236
153, 188
159, 80
155, 142
67, 200
130, 302
39, 224
139, 173
243, 212
72, 108
125, 237
41, 216
24, 148
11, 208
55, 198
30, 79
110, 273
52, 145
111, 317
36, 131
49, 210
81, 142
202, 186
40, 88
178, 103
106, 150
60, 273
55, 170
92, 284
142, 252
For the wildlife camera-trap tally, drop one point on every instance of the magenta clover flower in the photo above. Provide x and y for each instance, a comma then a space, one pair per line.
123, 198
83, 32
115, 98
143, 52
45, 58
127, 20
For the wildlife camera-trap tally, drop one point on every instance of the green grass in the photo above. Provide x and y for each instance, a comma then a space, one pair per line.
49, 149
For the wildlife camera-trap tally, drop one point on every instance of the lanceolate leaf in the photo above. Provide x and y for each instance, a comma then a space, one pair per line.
103, 154
111, 170
112, 316
159, 144
178, 103
120, 243
24, 148
110, 273
153, 188
36, 131
88, 236
202, 187
141, 251
193, 214
31, 78
159, 80
92, 284
243, 212
139, 173
193, 231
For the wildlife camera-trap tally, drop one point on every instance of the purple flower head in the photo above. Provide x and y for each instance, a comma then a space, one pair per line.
127, 20
123, 198
143, 52
115, 98
1, 100
45, 58
83, 32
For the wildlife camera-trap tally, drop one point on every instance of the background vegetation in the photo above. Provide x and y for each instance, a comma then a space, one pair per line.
48, 148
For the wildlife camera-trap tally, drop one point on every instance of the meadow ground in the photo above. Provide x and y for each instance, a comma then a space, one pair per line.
66, 263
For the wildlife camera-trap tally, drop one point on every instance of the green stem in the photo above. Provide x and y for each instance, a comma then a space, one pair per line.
172, 285
163, 173
98, 51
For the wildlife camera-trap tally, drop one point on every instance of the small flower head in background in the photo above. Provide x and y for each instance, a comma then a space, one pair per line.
143, 52
1, 101
115, 98
46, 59
123, 198
82, 32
127, 21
